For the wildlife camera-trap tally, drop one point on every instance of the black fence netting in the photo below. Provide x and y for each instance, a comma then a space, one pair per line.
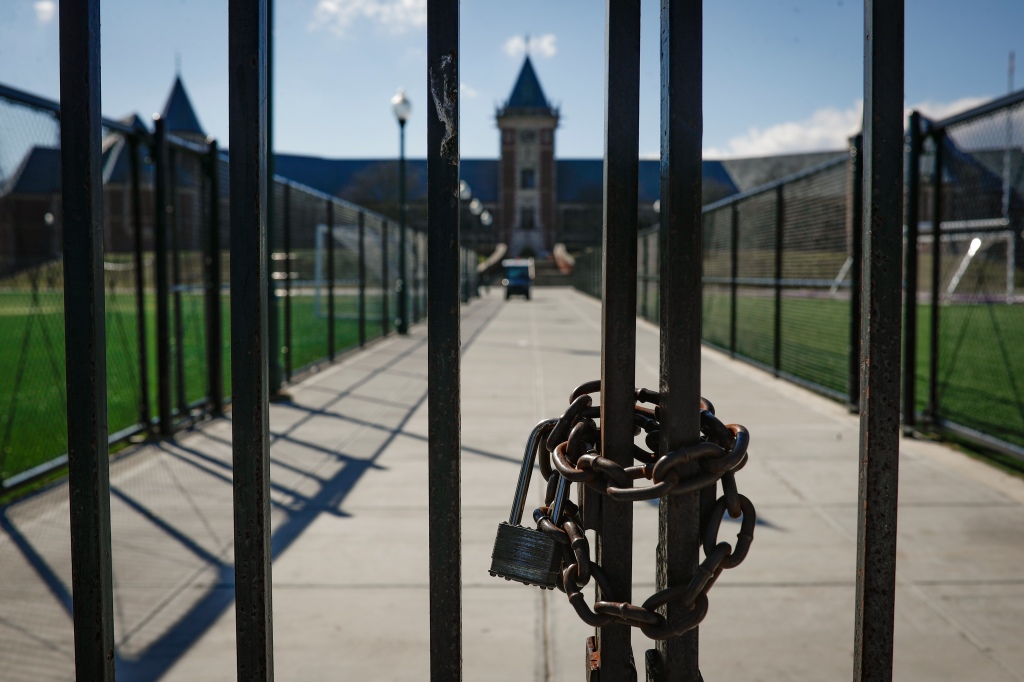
334, 266
779, 277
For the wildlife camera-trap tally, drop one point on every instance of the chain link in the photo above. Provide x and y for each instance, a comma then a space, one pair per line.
571, 450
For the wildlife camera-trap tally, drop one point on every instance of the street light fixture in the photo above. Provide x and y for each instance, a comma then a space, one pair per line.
403, 109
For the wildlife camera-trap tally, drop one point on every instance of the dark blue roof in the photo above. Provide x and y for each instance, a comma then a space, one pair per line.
527, 93
581, 181
39, 172
338, 176
178, 112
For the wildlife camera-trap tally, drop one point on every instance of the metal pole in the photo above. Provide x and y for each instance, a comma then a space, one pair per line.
163, 300
330, 279
416, 284
880, 352
856, 254
913, 203
645, 278
618, 316
179, 322
85, 348
362, 279
444, 398
939, 138
402, 322
214, 337
681, 267
287, 245
734, 272
145, 416
385, 313
276, 370
780, 217
248, 24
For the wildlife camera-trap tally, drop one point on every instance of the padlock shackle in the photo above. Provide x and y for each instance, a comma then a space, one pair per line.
529, 458
560, 494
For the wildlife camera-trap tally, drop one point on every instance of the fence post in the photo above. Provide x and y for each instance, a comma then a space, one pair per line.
163, 301
679, 516
939, 138
286, 258
912, 208
214, 337
734, 269
330, 280
444, 399
362, 279
780, 217
385, 324
416, 277
856, 254
882, 301
248, 31
179, 322
141, 336
85, 349
644, 278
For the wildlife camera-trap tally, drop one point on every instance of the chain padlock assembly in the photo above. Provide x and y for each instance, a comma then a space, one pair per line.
522, 554
572, 454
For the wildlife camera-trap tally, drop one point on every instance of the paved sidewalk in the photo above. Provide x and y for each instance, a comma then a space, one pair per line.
350, 531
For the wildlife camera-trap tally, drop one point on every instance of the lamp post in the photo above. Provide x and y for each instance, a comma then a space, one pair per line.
477, 209
402, 109
465, 195
486, 220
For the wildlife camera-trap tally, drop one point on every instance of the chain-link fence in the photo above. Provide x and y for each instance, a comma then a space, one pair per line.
781, 277
335, 274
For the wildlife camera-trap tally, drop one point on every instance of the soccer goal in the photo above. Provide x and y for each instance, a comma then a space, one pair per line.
976, 262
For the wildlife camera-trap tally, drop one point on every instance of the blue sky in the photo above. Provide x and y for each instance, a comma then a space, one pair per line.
779, 76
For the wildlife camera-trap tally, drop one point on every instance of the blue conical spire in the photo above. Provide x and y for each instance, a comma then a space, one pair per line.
527, 93
178, 113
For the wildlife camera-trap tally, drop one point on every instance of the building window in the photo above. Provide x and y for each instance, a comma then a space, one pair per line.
526, 221
527, 178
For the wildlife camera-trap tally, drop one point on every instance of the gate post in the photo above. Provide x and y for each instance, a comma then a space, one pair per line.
780, 216
856, 254
85, 349
286, 244
214, 337
444, 398
939, 138
385, 323
679, 516
330, 279
163, 305
179, 322
145, 416
913, 202
880, 322
362, 279
248, 31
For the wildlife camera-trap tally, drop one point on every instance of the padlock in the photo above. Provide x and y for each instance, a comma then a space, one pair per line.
527, 555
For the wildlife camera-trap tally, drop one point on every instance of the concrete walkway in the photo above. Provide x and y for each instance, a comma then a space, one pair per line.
350, 531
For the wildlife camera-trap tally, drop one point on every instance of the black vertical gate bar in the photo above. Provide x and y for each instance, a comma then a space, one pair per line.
856, 216
247, 98
330, 279
86, 344
913, 203
214, 336
362, 279
179, 326
681, 267
644, 277
618, 316
141, 336
276, 370
939, 140
880, 323
734, 272
384, 277
780, 217
287, 260
444, 396
416, 276
163, 296
403, 280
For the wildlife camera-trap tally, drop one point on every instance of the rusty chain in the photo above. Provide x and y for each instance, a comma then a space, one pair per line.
571, 450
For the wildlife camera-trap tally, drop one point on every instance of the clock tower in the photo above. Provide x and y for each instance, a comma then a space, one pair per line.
526, 210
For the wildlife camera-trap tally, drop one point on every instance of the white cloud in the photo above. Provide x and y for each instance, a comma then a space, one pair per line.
468, 91
540, 46
338, 16
46, 10
825, 129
